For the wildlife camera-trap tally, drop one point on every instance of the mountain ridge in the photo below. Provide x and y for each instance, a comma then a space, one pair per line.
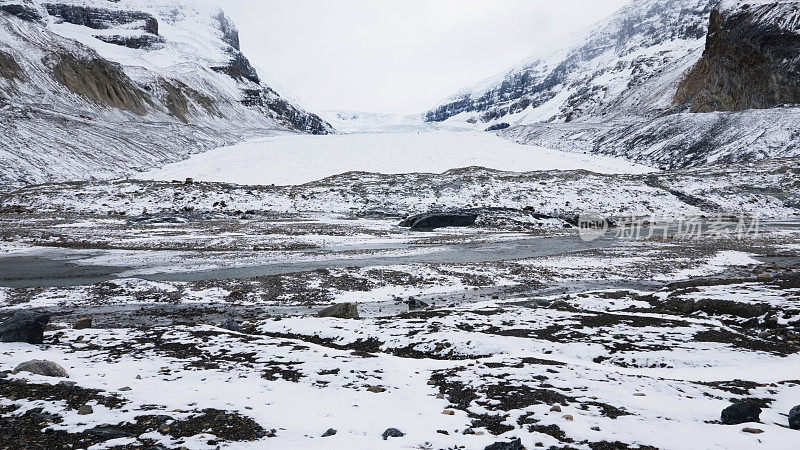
156, 65
628, 89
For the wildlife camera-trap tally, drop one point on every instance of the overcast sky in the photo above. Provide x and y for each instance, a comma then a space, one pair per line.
397, 55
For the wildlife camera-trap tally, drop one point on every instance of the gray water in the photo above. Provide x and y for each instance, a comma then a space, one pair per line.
59, 268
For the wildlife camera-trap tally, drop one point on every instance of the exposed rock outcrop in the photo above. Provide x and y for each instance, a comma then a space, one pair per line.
99, 18
239, 68
9, 69
751, 59
143, 41
24, 10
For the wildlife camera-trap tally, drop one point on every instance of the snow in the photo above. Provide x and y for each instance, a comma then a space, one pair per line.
293, 159
716, 264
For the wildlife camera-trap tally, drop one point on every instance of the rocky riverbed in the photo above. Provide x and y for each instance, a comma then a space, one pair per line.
211, 327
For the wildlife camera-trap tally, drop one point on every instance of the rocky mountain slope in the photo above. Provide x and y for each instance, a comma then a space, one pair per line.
104, 88
633, 86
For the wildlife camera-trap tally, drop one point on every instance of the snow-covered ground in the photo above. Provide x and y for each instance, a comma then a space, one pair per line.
295, 159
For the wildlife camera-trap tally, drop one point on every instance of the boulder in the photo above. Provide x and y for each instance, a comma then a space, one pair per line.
413, 303
232, 325
42, 367
24, 326
794, 418
392, 432
329, 433
431, 221
341, 311
741, 412
516, 444
82, 324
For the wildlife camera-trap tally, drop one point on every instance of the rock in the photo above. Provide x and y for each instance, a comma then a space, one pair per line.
100, 18
568, 417
328, 433
449, 412
432, 221
67, 383
752, 430
82, 324
341, 311
138, 377
413, 303
741, 412
23, 11
376, 389
555, 408
499, 126
516, 444
750, 59
392, 432
42, 367
125, 389
107, 433
138, 42
468, 431
794, 418
24, 326
85, 410
232, 325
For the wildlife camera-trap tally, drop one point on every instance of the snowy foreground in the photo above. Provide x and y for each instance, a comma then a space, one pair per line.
298, 159
204, 300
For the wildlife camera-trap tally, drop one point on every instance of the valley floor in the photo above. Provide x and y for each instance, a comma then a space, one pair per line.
204, 301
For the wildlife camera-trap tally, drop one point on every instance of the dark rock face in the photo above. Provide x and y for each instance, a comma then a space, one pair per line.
742, 412
292, 117
751, 60
23, 11
138, 42
24, 326
516, 444
432, 221
794, 418
99, 18
230, 34
239, 68
341, 311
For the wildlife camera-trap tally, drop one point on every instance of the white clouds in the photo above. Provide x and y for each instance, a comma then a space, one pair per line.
397, 55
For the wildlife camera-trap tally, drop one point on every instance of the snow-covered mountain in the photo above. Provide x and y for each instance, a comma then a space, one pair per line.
101, 88
622, 89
